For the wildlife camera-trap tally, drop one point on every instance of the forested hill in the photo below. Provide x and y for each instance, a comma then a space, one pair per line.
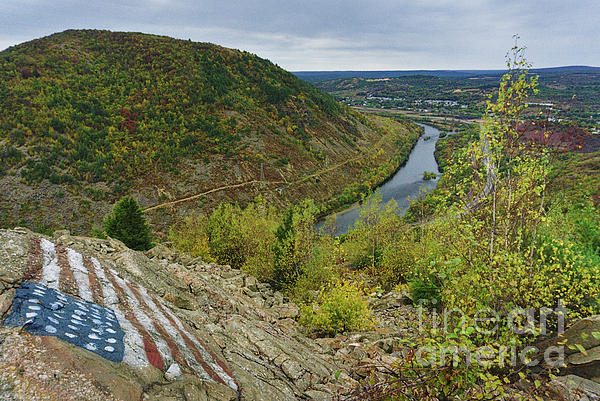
117, 103
89, 115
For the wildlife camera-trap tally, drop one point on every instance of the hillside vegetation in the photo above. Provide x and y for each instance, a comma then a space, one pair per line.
510, 233
88, 116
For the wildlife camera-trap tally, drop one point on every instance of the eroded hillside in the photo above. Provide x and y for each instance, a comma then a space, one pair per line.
88, 116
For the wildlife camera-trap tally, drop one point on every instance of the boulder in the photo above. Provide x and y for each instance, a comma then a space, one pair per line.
391, 300
286, 311
6, 299
173, 372
579, 333
251, 283
590, 356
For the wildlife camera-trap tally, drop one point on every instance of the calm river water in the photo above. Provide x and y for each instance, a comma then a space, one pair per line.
405, 184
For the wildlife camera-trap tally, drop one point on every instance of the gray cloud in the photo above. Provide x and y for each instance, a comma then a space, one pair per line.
338, 34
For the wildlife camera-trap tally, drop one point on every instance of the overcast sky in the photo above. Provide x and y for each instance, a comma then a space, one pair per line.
339, 34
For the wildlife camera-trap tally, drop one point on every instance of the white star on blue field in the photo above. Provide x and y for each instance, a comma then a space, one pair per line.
43, 311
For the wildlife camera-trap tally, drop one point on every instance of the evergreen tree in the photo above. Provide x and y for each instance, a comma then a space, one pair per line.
293, 250
287, 267
127, 224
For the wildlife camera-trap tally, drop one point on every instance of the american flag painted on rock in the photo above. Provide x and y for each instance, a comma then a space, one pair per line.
111, 316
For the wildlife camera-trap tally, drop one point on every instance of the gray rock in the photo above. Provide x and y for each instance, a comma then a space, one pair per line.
251, 283
579, 388
14, 258
267, 354
591, 355
387, 344
160, 251
61, 234
579, 333
391, 300
185, 259
192, 393
277, 298
173, 372
286, 311
585, 365
317, 395
6, 299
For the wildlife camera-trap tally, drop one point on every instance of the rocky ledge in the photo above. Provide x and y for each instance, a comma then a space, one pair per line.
89, 319
190, 330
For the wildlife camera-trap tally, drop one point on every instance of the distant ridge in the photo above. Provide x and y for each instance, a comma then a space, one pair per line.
326, 75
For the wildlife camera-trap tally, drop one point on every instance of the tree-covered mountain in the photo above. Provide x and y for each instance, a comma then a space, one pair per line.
89, 115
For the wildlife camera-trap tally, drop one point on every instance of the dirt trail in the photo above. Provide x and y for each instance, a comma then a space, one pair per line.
243, 184
196, 196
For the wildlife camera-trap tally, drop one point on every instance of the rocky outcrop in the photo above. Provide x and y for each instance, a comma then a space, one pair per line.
573, 388
188, 330
580, 371
220, 334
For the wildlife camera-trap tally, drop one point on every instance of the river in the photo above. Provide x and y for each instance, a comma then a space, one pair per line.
405, 184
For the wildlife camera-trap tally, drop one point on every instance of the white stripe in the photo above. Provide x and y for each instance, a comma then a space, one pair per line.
205, 355
144, 320
175, 335
51, 269
81, 274
134, 354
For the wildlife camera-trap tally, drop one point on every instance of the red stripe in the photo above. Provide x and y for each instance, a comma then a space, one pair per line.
152, 353
175, 352
192, 347
34, 264
67, 279
94, 283
215, 358
212, 354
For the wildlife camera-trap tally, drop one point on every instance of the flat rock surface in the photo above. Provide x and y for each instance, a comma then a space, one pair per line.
232, 337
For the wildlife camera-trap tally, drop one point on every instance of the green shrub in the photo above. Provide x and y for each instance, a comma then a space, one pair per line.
242, 238
428, 175
225, 236
587, 229
258, 224
98, 232
341, 307
564, 272
127, 224
287, 268
367, 259
319, 272
397, 261
427, 288
190, 237
294, 248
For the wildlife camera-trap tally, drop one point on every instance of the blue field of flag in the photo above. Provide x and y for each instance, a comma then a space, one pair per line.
46, 312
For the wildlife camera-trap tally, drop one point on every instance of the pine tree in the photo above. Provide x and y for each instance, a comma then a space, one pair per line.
127, 224
287, 268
